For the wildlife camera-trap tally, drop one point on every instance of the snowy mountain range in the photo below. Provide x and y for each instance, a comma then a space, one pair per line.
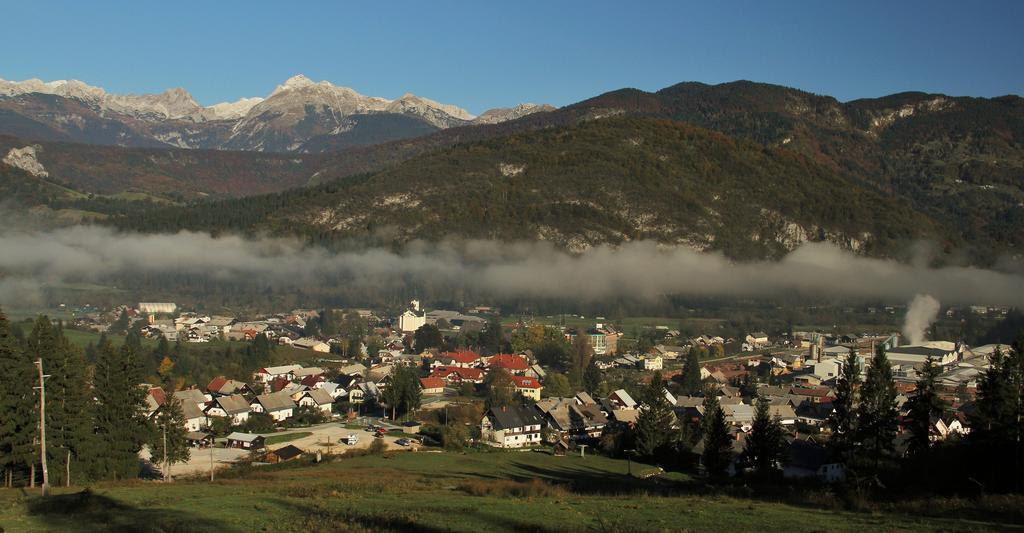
300, 115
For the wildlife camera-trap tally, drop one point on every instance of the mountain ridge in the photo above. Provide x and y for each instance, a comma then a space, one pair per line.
296, 111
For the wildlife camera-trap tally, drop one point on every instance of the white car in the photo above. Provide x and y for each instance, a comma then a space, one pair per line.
351, 439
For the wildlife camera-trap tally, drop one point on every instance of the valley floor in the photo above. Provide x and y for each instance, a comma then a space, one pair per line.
497, 491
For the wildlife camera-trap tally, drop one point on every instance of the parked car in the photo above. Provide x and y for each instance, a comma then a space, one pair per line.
349, 439
403, 442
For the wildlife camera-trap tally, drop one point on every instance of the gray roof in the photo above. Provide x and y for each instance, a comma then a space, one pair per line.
232, 405
320, 396
276, 401
195, 395
514, 417
190, 409
243, 437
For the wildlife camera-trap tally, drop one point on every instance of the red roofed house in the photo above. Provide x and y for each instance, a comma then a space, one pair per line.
314, 381
461, 359
432, 385
514, 364
456, 375
528, 387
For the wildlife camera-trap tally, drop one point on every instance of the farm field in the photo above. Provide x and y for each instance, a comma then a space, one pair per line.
424, 491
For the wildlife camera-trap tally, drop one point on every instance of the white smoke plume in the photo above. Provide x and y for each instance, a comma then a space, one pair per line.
640, 270
921, 312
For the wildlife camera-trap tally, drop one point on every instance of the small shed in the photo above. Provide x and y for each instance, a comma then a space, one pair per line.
284, 454
247, 441
198, 439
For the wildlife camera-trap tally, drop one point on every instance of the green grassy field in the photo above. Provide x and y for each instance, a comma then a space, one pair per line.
437, 492
701, 324
288, 437
282, 354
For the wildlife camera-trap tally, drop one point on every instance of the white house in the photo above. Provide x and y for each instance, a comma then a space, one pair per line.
511, 427
651, 362
827, 369
267, 374
307, 343
278, 405
319, 399
413, 318
195, 418
234, 407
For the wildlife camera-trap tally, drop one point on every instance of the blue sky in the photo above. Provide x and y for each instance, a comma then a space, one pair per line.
482, 54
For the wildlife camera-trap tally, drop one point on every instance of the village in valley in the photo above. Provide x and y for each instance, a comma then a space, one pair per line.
444, 380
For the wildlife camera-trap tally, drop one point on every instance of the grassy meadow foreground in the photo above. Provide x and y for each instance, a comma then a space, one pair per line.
446, 492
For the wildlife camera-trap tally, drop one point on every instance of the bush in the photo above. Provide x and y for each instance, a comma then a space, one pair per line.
257, 423
534, 488
378, 447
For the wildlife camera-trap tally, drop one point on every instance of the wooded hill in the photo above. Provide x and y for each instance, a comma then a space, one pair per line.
610, 180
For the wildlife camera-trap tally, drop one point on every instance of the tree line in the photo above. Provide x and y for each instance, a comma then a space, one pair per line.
95, 414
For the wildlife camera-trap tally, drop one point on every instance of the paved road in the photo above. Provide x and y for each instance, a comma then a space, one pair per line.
325, 437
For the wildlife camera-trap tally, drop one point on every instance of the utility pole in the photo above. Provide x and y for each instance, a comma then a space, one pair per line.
166, 466
42, 426
213, 445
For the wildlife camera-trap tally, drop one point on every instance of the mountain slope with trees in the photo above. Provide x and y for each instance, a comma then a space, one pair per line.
612, 180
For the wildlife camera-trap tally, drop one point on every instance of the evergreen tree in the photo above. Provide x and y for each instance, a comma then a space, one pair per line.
17, 406
843, 420
765, 448
261, 347
691, 373
592, 378
999, 422
121, 424
924, 406
68, 408
877, 417
120, 325
717, 442
412, 394
167, 440
654, 425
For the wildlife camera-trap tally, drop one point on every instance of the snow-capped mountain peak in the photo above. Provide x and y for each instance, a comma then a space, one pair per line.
297, 111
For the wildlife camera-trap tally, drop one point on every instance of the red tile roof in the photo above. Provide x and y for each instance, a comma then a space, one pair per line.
216, 384
508, 362
462, 373
462, 356
311, 381
158, 394
523, 382
432, 382
278, 383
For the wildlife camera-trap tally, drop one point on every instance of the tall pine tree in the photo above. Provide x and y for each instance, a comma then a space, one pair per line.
843, 420
17, 407
168, 442
68, 408
121, 425
765, 449
654, 425
691, 373
877, 417
924, 406
717, 441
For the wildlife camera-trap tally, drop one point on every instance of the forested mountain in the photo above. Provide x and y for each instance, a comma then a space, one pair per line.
959, 160
167, 173
945, 167
600, 181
